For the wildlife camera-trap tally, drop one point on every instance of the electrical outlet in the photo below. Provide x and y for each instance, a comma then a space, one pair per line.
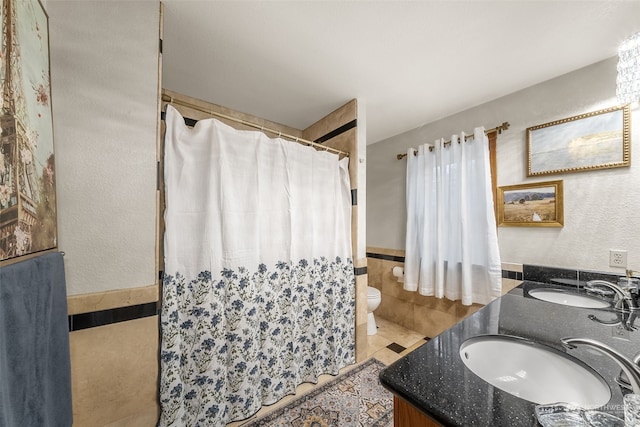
617, 258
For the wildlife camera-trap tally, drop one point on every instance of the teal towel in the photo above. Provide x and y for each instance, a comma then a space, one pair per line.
35, 367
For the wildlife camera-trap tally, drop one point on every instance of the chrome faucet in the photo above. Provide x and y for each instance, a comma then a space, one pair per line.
629, 367
626, 299
622, 379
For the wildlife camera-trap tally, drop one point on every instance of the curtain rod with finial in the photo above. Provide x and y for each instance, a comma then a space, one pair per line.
499, 129
171, 100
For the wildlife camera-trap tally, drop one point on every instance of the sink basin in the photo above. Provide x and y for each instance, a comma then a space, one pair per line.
534, 372
567, 298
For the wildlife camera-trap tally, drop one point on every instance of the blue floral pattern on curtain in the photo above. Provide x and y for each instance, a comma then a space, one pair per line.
244, 338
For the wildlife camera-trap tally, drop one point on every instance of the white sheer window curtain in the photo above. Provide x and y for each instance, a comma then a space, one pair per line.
451, 243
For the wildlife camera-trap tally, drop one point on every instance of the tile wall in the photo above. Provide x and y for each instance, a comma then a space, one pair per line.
114, 345
565, 276
427, 315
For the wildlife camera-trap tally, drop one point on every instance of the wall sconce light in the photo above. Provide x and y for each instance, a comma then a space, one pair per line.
628, 81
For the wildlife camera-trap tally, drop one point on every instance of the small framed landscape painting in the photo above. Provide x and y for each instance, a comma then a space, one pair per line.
537, 204
595, 140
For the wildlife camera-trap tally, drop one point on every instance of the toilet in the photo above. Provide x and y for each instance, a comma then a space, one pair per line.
373, 301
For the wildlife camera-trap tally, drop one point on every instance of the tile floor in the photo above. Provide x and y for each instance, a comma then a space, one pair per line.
390, 343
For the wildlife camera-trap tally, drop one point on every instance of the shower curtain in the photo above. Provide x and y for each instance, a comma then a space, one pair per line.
451, 238
258, 291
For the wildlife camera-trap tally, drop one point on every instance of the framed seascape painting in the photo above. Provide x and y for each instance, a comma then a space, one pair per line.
596, 140
538, 204
27, 168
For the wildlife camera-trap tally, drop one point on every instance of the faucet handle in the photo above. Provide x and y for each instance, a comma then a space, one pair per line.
629, 283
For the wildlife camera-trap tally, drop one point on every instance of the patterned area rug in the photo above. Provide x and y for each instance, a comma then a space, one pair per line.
353, 399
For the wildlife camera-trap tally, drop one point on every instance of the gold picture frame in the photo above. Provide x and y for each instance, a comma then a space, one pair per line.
596, 140
536, 204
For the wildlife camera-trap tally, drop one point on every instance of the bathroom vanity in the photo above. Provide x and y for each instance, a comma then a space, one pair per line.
432, 385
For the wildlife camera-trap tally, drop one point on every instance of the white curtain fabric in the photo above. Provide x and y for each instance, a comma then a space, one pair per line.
258, 293
451, 242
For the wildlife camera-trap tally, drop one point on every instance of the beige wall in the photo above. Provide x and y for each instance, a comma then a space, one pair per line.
599, 206
115, 374
429, 316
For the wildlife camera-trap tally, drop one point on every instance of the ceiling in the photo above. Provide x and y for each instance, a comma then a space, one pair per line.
410, 63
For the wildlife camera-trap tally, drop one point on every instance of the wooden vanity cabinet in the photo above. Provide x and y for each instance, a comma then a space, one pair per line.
406, 415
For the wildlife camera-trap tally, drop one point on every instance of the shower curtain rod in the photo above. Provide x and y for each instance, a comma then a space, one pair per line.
169, 99
499, 129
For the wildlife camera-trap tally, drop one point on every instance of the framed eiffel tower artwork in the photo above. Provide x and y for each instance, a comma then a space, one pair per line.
27, 168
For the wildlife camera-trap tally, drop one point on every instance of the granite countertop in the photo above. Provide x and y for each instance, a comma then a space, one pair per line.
434, 379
